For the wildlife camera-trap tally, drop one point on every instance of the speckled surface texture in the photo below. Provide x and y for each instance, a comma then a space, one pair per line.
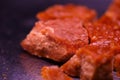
17, 18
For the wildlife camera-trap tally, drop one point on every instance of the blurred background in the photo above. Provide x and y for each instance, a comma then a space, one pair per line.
17, 18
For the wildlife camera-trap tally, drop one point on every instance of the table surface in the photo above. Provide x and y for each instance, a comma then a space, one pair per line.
17, 18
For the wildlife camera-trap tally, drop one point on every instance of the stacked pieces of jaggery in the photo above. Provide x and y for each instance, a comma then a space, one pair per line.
58, 38
70, 34
104, 32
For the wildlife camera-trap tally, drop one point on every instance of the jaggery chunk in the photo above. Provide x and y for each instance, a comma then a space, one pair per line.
96, 62
56, 39
53, 73
67, 11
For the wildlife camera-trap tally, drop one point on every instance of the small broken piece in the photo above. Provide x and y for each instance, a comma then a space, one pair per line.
53, 73
72, 66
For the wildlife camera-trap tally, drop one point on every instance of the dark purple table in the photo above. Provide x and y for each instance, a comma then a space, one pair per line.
17, 18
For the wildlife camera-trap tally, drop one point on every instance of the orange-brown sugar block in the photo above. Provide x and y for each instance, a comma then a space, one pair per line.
53, 73
73, 66
67, 11
56, 39
96, 62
